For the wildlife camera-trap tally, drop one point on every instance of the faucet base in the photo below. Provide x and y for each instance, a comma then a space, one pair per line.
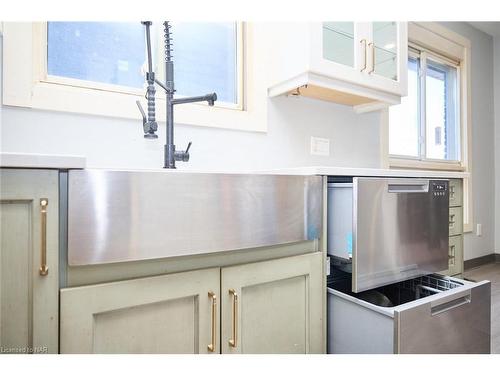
169, 159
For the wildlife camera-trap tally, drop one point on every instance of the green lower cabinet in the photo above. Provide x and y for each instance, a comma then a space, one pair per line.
273, 306
455, 241
29, 254
265, 307
455, 255
161, 314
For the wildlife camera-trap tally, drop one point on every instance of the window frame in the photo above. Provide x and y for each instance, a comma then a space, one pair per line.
422, 55
27, 84
433, 37
61, 80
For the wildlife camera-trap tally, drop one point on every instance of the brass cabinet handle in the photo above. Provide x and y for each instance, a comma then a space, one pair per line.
43, 270
373, 57
452, 220
451, 255
233, 342
363, 41
211, 346
452, 192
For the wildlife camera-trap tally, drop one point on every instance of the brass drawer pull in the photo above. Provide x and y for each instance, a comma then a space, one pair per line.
452, 220
451, 255
43, 270
233, 342
211, 346
452, 192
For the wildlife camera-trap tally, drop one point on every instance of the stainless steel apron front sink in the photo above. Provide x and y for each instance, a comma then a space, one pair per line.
117, 216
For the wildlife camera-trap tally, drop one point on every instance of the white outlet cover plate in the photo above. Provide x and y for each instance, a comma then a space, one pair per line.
320, 146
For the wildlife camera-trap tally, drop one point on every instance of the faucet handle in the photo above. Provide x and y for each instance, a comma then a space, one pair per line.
183, 155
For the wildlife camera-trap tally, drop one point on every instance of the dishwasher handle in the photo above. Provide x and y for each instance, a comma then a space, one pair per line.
402, 186
454, 301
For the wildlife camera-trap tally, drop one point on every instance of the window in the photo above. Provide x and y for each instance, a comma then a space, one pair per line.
426, 125
113, 53
97, 68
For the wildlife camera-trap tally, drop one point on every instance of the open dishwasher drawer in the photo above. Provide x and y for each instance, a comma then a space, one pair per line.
427, 314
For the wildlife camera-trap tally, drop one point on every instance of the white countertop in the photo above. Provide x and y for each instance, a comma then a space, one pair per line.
21, 160
367, 172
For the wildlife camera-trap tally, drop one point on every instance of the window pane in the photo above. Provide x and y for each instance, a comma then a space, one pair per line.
107, 52
205, 57
403, 118
441, 112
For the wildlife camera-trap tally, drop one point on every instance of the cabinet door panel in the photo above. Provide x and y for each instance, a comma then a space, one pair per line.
338, 42
28, 300
456, 221
385, 42
163, 314
387, 56
285, 324
279, 306
15, 276
456, 256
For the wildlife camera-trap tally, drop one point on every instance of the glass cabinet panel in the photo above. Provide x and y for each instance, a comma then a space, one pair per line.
385, 42
338, 42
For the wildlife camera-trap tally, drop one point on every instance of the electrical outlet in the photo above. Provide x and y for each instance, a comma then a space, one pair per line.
479, 230
320, 146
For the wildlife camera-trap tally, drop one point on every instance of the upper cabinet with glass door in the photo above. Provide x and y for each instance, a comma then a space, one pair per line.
361, 64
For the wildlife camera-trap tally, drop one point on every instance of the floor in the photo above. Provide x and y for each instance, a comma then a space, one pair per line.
490, 272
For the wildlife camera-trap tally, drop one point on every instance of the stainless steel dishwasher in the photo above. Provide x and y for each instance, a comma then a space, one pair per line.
387, 238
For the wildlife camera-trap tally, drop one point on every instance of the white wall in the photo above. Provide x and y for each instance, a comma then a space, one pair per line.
113, 143
496, 63
1, 84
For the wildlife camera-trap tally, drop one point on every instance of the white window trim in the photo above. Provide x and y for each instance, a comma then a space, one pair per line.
443, 41
25, 84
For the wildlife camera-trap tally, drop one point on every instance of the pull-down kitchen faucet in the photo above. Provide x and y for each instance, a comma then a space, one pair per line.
149, 123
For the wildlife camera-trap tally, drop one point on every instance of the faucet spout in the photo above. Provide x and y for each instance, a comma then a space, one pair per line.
149, 122
210, 98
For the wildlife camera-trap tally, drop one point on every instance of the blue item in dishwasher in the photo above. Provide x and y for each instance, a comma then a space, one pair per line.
349, 244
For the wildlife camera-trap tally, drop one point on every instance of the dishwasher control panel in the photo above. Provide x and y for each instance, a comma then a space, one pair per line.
439, 188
